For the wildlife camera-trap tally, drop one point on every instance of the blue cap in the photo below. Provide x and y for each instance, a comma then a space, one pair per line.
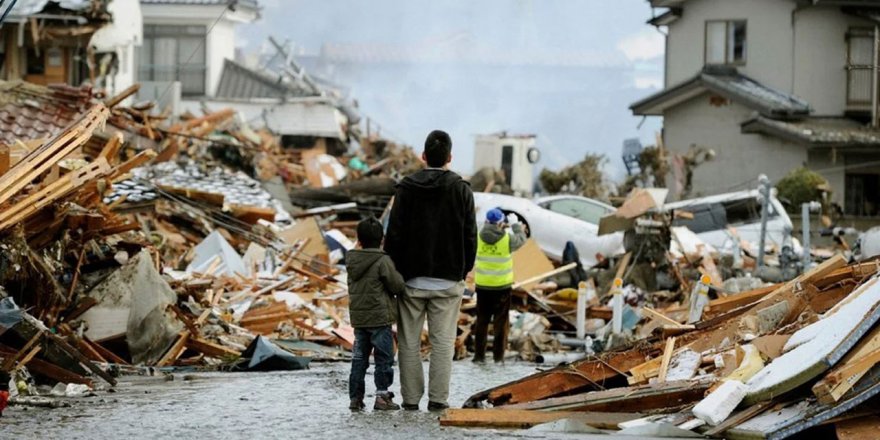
494, 216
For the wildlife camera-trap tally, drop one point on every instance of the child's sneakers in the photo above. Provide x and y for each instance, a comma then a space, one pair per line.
384, 402
357, 404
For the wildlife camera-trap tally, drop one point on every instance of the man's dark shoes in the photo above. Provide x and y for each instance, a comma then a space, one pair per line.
357, 405
384, 402
437, 406
479, 360
411, 406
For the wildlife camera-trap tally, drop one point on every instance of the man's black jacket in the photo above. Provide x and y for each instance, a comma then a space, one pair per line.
432, 229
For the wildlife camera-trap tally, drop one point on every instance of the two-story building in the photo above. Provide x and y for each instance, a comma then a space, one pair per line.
772, 85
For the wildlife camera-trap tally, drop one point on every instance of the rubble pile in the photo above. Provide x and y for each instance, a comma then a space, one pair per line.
765, 363
128, 245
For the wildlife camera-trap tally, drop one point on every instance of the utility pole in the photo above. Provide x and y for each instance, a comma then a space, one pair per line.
806, 209
764, 190
875, 100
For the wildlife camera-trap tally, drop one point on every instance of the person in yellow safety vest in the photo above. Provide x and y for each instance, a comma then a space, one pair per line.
493, 276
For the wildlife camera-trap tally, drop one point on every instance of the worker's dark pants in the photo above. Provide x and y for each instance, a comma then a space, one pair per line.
494, 306
380, 341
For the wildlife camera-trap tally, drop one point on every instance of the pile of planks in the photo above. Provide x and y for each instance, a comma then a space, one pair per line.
767, 363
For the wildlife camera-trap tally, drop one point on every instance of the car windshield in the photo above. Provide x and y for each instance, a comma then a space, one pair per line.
577, 208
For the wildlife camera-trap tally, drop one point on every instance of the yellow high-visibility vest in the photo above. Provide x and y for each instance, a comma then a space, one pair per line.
494, 266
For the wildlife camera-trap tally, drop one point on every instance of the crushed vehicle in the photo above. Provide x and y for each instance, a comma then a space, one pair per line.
723, 220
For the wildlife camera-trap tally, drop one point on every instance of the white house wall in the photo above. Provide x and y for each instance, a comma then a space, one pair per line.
221, 46
820, 54
739, 157
768, 39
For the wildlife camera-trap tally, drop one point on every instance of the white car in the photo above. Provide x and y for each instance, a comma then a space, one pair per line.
555, 220
740, 211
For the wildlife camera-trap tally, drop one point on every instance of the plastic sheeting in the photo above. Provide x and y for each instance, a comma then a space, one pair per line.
263, 355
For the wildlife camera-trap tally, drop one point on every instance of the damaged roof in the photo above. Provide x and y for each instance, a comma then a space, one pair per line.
240, 82
817, 131
24, 8
29, 111
729, 83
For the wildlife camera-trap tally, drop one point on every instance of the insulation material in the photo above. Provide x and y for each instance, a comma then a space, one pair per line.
684, 365
750, 365
718, 405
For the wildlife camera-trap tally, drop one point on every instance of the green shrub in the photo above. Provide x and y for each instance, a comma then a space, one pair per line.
800, 186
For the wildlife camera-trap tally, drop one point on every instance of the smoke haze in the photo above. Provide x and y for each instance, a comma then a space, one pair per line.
565, 70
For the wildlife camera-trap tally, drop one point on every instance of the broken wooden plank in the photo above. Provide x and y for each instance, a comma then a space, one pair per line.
41, 159
524, 419
632, 399
661, 317
49, 370
586, 374
667, 357
738, 418
862, 428
10, 361
175, 351
542, 276
210, 349
849, 370
63, 345
107, 354
28, 357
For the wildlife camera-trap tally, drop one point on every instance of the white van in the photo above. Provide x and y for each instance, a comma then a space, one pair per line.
738, 210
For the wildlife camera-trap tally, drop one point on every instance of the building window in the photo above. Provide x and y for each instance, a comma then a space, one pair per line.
174, 53
859, 65
726, 42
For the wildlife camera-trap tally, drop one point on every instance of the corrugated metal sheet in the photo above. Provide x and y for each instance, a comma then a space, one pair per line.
240, 82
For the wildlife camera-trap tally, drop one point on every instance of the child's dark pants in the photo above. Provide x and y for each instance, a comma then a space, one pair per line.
378, 340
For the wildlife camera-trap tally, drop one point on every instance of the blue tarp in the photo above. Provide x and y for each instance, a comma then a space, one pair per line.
10, 314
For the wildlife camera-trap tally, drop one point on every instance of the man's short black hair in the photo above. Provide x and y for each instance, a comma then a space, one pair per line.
438, 147
370, 233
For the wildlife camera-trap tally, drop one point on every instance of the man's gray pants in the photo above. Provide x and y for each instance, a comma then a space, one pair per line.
441, 307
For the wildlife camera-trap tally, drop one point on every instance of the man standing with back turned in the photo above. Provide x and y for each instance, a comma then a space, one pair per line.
432, 239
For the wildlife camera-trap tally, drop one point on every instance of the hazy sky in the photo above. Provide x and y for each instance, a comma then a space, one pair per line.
618, 56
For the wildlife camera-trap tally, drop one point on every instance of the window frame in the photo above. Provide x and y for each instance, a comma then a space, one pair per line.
146, 56
851, 33
727, 56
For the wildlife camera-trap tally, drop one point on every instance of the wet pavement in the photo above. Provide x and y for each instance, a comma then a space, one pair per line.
300, 404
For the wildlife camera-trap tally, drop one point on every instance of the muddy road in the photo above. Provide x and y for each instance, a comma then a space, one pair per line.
310, 404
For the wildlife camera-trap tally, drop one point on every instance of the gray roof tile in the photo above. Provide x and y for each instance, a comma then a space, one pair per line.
727, 82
